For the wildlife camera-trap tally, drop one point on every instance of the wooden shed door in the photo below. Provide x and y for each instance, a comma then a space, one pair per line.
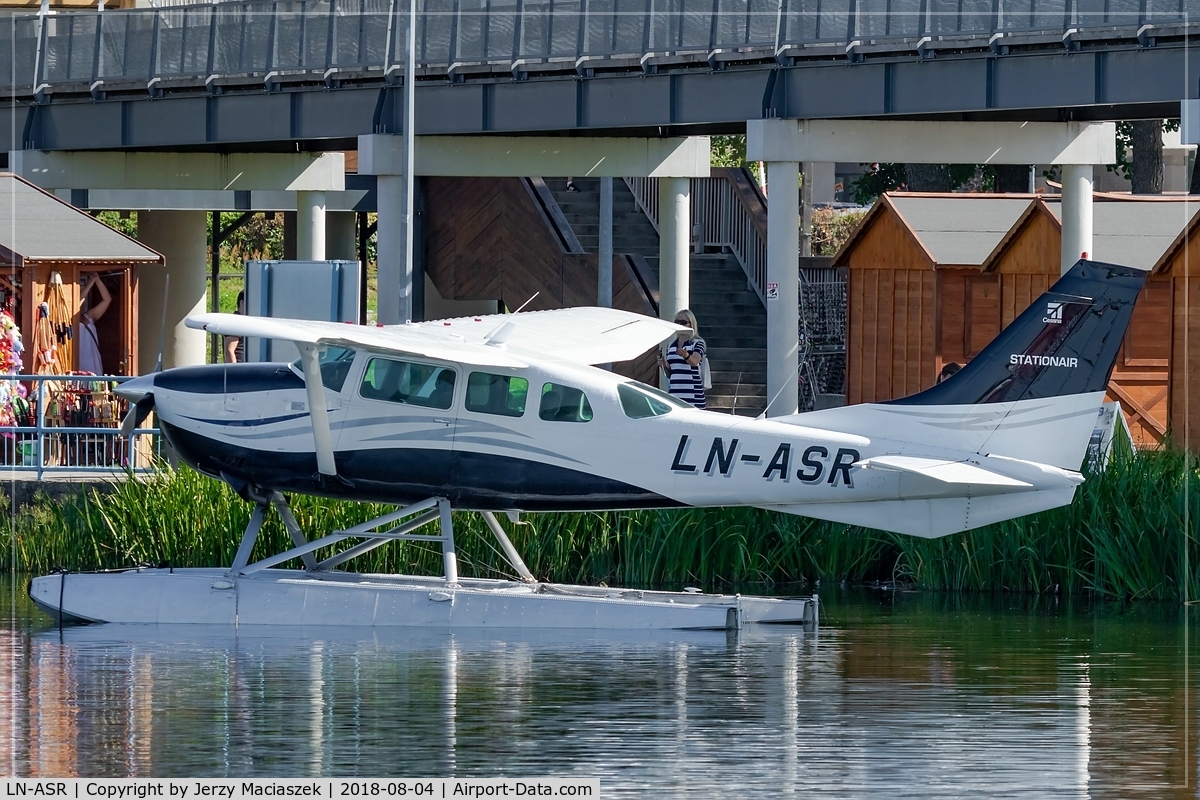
113, 328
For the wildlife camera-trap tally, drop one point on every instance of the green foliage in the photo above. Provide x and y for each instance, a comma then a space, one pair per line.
887, 177
880, 178
1123, 537
832, 227
727, 151
125, 222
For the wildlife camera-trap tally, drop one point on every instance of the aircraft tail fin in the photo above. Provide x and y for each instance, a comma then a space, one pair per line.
1065, 343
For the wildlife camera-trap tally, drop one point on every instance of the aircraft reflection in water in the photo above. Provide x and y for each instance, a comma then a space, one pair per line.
935, 700
507, 414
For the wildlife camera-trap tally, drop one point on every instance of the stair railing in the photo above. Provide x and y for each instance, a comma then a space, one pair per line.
728, 211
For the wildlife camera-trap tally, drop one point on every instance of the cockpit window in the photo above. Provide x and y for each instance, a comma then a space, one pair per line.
564, 404
335, 363
640, 403
497, 394
426, 385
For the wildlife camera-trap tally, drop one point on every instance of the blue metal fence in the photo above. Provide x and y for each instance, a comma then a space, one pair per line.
69, 430
272, 39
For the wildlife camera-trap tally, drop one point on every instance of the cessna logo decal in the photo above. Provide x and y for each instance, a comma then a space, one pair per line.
1043, 361
1054, 314
813, 462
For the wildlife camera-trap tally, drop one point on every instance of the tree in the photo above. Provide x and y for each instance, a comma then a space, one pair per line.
1011, 178
1147, 172
927, 177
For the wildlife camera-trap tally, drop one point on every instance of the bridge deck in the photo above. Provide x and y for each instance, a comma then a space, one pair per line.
601, 65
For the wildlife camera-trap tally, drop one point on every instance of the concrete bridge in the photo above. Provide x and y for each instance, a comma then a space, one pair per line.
265, 75
230, 100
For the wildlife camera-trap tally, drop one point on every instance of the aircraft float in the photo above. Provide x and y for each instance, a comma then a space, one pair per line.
510, 414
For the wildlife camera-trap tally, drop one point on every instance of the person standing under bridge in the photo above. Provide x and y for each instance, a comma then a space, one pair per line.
684, 362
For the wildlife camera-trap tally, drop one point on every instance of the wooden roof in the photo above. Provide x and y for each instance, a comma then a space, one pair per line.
37, 227
953, 229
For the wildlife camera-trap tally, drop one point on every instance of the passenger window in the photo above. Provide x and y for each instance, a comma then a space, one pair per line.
497, 394
639, 405
335, 365
425, 385
564, 404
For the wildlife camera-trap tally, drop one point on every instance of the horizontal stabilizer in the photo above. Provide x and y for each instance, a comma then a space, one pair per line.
957, 472
934, 517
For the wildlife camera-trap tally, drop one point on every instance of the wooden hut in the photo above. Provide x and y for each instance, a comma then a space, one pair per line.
1133, 231
917, 294
1179, 266
41, 237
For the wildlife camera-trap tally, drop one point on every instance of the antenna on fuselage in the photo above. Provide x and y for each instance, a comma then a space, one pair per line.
162, 326
501, 333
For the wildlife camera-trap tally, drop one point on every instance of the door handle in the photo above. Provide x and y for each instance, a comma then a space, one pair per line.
443, 421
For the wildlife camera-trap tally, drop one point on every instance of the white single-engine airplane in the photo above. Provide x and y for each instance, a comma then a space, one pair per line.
509, 414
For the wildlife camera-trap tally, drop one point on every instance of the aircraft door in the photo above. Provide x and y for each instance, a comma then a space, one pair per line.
399, 426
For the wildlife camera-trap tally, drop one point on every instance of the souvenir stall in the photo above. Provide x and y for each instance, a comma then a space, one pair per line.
68, 306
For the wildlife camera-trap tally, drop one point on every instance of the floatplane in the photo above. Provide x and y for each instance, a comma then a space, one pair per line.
509, 413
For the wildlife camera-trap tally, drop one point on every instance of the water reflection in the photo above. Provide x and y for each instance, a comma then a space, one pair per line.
915, 696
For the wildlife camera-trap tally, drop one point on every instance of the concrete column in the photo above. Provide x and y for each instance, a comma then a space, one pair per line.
341, 235
1076, 214
394, 282
674, 232
310, 226
806, 207
604, 259
182, 238
783, 287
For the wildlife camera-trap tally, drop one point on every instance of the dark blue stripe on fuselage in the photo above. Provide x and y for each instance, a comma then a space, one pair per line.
403, 475
248, 423
231, 378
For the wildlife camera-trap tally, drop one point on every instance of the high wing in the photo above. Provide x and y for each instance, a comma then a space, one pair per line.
410, 339
577, 335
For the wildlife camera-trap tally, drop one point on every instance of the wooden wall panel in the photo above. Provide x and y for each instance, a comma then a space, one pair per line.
856, 324
892, 333
485, 240
982, 312
1035, 250
952, 319
1185, 363
887, 245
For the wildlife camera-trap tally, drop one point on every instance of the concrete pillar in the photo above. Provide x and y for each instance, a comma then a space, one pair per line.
674, 232
341, 235
1076, 214
310, 226
182, 238
604, 259
783, 287
394, 282
806, 207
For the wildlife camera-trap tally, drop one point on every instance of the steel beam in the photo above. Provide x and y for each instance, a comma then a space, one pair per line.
1105, 82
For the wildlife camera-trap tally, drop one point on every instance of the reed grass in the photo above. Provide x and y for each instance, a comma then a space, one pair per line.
1132, 532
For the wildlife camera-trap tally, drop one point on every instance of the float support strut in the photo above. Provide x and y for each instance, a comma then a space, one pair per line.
510, 552
449, 556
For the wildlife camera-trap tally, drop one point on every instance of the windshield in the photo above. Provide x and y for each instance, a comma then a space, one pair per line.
661, 395
335, 365
640, 403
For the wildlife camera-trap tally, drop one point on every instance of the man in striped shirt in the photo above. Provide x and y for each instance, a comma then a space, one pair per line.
682, 362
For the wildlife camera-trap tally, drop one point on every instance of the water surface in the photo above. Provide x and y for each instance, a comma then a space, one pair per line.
898, 695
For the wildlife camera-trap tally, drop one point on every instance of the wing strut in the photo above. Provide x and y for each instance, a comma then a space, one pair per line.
309, 355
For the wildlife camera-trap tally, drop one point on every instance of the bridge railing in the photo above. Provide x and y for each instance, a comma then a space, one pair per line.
273, 40
727, 211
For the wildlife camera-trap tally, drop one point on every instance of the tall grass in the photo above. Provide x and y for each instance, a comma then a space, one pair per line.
1124, 536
